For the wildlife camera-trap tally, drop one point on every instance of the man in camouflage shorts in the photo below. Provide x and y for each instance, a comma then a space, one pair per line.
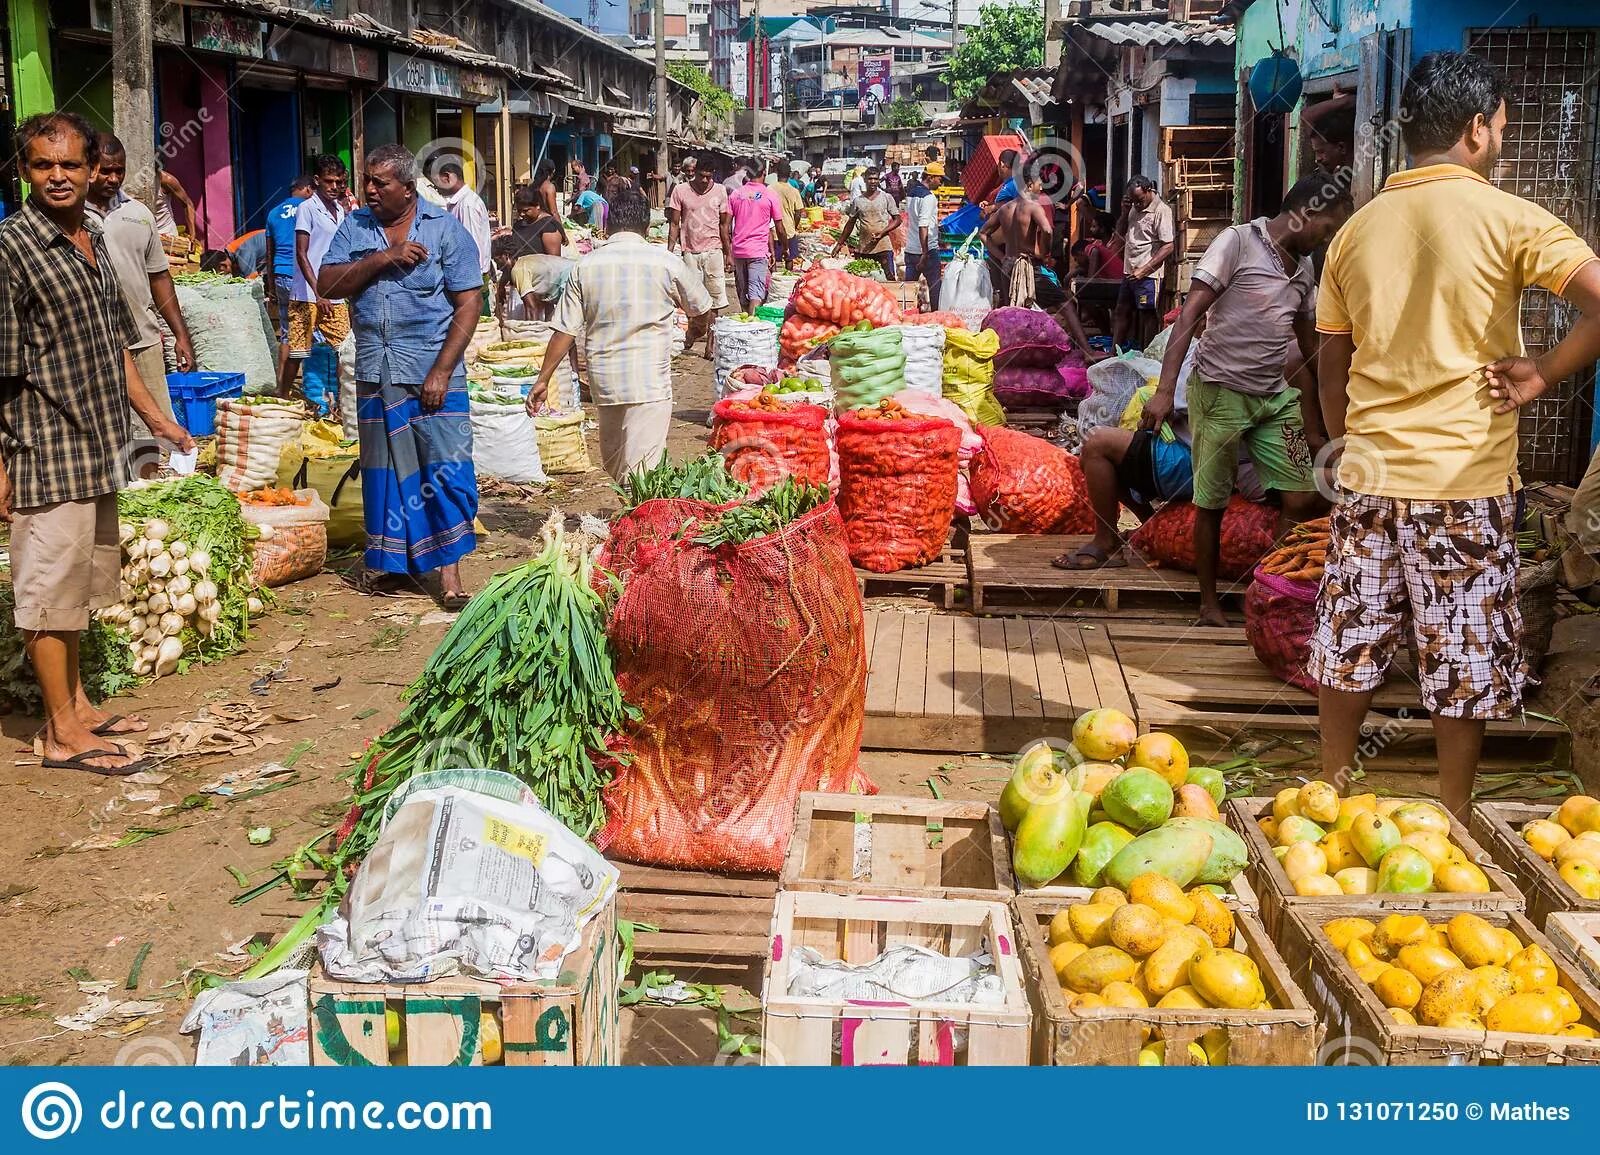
1418, 310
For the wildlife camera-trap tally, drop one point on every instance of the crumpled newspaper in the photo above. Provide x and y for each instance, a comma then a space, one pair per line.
902, 973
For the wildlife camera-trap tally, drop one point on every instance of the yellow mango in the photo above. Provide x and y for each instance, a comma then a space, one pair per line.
1097, 966
1458, 876
1533, 969
1108, 896
1494, 983
1319, 885
1356, 804
1428, 962
1135, 928
1453, 991
1184, 998
1063, 953
1571, 1012
1358, 953
1568, 814
1339, 851
1462, 1021
1513, 943
1579, 1031
1544, 836
1123, 994
1085, 1000
1579, 849
1527, 1013
1396, 931
1269, 827
1388, 806
1286, 803
1477, 941
1341, 931
1357, 880
1415, 816
1318, 801
1227, 978
1583, 877
1304, 858
1212, 917
1398, 988
1088, 920
1402, 1016
1061, 928
1162, 895
1168, 968
1434, 846
1370, 973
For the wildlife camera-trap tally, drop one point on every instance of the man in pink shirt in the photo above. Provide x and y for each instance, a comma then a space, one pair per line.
755, 209
698, 230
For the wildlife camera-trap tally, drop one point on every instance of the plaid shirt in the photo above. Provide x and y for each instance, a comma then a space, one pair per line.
63, 328
620, 302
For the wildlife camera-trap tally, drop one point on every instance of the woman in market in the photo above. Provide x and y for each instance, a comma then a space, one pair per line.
410, 272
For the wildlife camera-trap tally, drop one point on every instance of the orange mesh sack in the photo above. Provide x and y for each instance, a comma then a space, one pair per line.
1023, 484
641, 533
897, 486
748, 666
1248, 529
765, 440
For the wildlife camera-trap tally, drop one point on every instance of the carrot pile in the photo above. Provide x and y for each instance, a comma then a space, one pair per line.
886, 410
1303, 553
273, 495
836, 296
764, 402
800, 335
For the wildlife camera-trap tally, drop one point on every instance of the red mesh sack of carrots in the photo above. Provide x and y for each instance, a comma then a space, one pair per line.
844, 299
1024, 484
1248, 529
765, 440
799, 335
748, 667
640, 534
1280, 617
897, 485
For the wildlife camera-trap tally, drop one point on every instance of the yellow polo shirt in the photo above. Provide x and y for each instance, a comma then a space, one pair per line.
1428, 278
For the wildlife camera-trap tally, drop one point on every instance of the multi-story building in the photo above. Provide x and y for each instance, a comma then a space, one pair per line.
687, 22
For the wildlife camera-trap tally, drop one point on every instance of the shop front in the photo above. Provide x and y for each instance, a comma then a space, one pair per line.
438, 118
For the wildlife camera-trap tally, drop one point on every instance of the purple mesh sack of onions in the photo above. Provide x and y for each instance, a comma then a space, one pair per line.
1028, 337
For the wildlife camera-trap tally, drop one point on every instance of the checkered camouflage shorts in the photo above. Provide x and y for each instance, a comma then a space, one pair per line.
1448, 569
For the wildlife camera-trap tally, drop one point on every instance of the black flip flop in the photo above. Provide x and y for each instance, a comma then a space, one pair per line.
1094, 553
108, 728
454, 603
81, 762
381, 586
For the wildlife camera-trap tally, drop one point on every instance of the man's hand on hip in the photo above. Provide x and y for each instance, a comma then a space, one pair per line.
1514, 382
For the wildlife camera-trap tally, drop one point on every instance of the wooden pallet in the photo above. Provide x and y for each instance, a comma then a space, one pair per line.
1019, 564
946, 578
1207, 686
699, 917
956, 683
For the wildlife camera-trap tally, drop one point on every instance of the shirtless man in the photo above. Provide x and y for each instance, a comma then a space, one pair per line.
1017, 235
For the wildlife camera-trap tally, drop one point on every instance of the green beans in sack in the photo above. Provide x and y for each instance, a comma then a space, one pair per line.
867, 367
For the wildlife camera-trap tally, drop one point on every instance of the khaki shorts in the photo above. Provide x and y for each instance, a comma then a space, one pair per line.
65, 563
633, 435
305, 319
709, 265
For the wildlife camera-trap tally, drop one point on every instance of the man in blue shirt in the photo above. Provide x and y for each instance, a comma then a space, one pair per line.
280, 257
409, 271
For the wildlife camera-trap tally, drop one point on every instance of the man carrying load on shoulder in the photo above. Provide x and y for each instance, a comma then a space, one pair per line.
1255, 291
1422, 375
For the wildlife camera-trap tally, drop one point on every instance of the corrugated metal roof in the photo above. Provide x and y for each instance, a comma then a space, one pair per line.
1159, 33
1036, 87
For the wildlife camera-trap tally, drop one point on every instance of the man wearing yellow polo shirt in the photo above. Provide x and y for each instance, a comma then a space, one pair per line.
1421, 373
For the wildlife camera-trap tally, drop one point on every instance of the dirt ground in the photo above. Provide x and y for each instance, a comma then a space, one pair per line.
160, 902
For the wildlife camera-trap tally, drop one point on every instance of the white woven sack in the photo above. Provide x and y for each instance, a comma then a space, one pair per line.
504, 443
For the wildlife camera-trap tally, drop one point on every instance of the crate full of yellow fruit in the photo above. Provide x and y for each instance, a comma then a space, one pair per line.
1551, 850
1436, 987
1154, 975
1312, 849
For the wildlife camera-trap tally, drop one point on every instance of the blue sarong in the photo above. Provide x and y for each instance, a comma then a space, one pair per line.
417, 481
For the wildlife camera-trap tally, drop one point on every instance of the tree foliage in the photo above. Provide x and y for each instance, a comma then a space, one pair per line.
1006, 36
902, 113
717, 102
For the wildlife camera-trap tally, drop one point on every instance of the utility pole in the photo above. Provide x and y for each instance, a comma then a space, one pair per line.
663, 108
132, 93
757, 60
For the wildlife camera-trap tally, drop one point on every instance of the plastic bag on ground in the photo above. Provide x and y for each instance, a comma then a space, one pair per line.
562, 445
1248, 532
470, 875
748, 666
966, 289
1024, 484
897, 488
504, 443
763, 446
1280, 617
1112, 383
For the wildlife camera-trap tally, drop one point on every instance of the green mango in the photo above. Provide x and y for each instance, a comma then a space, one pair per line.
1139, 799
1210, 779
1035, 777
1100, 845
1049, 836
1228, 853
1172, 852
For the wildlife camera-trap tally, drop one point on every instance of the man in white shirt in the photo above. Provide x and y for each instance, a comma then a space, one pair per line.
316, 220
922, 237
462, 201
858, 184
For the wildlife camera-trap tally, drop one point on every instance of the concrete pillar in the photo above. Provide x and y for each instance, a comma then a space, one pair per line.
133, 100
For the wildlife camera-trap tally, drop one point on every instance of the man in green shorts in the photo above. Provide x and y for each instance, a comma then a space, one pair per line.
1255, 291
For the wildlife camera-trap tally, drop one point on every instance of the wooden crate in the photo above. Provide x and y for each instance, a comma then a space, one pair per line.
1204, 141
1204, 202
1019, 564
1277, 892
799, 1031
698, 918
1198, 233
1241, 894
946, 578
1360, 1031
1496, 825
571, 1020
927, 847
1287, 1035
1577, 933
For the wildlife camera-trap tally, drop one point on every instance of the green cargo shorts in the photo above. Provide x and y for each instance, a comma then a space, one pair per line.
1269, 428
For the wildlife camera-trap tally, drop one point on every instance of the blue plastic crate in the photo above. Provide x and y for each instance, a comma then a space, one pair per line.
195, 397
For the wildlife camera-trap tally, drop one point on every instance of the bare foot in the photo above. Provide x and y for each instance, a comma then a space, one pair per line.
1212, 615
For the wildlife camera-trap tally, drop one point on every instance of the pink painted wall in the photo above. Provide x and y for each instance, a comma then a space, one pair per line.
195, 141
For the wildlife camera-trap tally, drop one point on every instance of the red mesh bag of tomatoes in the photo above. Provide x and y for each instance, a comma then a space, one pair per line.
1248, 530
897, 485
1023, 484
765, 440
746, 664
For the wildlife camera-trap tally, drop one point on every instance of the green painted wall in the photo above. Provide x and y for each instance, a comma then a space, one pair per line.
84, 81
31, 79
416, 123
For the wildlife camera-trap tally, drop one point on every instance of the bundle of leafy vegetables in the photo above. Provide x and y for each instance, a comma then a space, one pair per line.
524, 682
203, 512
785, 502
702, 478
105, 664
864, 267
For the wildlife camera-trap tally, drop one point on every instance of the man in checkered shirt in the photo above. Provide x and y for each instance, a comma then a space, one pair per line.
67, 380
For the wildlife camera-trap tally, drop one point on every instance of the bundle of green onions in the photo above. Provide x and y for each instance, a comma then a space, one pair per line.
523, 682
701, 478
